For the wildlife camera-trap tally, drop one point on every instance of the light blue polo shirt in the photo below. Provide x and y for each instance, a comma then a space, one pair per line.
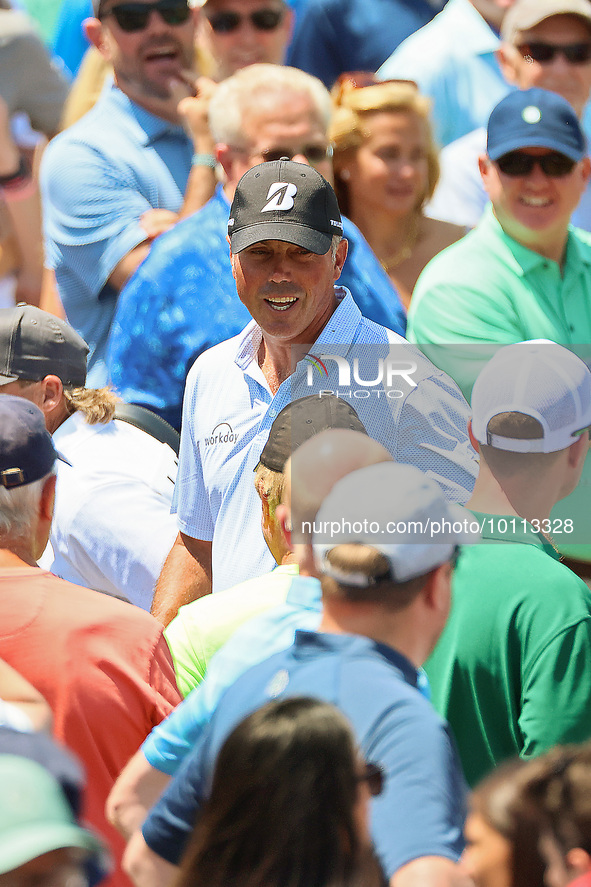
452, 58
260, 637
97, 178
229, 409
422, 808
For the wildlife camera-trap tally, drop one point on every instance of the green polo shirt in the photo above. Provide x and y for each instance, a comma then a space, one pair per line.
488, 288
512, 669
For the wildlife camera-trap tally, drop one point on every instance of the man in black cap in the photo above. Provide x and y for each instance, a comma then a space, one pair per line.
287, 252
112, 527
97, 661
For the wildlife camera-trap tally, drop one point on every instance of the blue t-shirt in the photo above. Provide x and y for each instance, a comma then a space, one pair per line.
97, 179
332, 36
422, 809
182, 300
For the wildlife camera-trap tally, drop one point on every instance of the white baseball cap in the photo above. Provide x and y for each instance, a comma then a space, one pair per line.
399, 511
539, 379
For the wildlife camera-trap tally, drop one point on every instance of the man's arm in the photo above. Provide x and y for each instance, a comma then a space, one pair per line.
144, 867
138, 787
430, 871
185, 576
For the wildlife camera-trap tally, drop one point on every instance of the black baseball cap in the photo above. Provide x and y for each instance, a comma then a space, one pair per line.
302, 419
34, 343
27, 452
284, 200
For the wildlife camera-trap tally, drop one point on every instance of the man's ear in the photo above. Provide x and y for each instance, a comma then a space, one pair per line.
505, 56
283, 518
95, 34
342, 250
53, 390
473, 440
577, 451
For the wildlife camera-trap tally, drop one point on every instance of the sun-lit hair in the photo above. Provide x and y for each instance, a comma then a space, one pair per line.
97, 405
348, 128
259, 86
269, 485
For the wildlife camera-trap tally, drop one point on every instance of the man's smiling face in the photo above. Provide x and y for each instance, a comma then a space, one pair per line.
288, 290
534, 208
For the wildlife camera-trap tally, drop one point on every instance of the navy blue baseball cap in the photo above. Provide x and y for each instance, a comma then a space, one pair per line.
27, 452
535, 118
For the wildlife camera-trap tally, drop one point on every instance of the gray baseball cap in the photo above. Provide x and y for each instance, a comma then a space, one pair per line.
526, 14
34, 344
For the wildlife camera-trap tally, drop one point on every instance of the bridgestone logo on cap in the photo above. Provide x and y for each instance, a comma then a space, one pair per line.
282, 195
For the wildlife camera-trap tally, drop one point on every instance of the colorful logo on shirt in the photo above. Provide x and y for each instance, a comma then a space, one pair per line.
221, 434
316, 363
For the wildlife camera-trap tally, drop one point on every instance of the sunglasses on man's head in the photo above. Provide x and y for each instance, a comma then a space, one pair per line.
135, 16
574, 53
313, 153
375, 778
516, 163
262, 20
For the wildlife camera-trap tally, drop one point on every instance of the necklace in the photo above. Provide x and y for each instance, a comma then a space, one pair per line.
406, 249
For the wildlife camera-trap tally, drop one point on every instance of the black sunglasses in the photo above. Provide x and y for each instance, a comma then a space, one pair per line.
313, 153
516, 163
375, 778
262, 20
574, 53
134, 16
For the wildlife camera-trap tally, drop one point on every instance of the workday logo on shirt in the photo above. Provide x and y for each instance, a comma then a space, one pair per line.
221, 434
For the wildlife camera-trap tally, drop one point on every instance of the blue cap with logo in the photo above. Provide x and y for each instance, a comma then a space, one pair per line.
535, 118
27, 452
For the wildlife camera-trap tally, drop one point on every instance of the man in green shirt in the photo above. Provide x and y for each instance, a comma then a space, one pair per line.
512, 669
523, 272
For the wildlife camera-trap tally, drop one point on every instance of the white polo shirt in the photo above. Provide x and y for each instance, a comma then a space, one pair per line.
112, 528
229, 409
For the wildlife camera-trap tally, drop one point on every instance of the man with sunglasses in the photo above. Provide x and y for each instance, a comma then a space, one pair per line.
545, 43
511, 671
236, 33
129, 155
523, 272
386, 592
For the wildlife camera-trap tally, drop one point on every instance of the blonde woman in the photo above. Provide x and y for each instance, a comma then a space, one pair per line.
386, 168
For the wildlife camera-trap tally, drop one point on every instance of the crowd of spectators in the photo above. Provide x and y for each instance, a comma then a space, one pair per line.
295, 349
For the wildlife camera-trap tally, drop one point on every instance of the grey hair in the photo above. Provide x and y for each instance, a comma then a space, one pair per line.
334, 245
258, 86
19, 507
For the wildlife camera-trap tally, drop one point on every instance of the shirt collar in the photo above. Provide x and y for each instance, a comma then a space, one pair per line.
527, 260
499, 528
147, 127
475, 32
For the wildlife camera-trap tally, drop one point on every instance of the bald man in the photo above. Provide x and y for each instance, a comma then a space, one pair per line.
313, 470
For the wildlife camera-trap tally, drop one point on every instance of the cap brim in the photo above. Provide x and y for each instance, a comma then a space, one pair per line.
515, 144
22, 846
287, 232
